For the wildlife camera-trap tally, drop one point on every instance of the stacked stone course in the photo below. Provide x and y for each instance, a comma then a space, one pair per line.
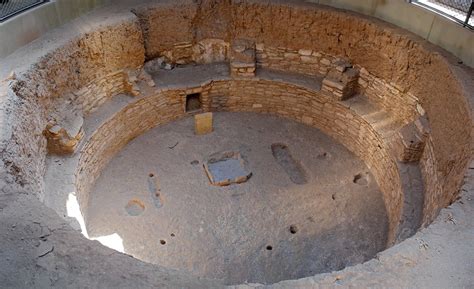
93, 66
256, 95
341, 80
411, 140
242, 58
389, 96
304, 61
224, 95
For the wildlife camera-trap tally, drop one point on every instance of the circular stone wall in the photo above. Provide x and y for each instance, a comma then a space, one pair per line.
308, 208
74, 100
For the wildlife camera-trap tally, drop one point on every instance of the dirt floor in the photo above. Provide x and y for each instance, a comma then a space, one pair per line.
309, 207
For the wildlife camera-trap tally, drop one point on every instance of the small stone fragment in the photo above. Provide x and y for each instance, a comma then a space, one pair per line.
44, 249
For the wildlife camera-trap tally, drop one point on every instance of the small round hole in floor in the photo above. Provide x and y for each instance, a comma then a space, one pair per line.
323, 155
360, 179
162, 242
173, 202
151, 175
293, 229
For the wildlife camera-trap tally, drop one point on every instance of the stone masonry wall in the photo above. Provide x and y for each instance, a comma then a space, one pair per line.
392, 98
317, 63
404, 61
95, 93
35, 91
305, 61
332, 117
121, 128
257, 95
404, 74
387, 52
165, 25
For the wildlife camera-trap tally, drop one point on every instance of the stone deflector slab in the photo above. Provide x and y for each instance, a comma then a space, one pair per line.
203, 123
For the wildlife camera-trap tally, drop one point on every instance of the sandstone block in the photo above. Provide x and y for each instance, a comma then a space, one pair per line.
325, 61
341, 65
309, 59
291, 55
64, 138
341, 81
203, 123
305, 52
331, 84
243, 58
260, 46
411, 140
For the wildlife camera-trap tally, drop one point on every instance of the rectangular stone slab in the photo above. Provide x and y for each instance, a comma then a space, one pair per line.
203, 123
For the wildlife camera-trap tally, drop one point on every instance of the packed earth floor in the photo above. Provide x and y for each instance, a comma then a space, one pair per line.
309, 206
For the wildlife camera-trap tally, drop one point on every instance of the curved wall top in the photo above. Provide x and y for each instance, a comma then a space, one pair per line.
49, 72
115, 38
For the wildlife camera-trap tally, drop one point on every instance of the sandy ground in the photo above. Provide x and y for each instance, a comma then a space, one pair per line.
156, 196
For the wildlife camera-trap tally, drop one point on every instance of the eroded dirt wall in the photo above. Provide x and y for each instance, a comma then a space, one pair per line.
53, 79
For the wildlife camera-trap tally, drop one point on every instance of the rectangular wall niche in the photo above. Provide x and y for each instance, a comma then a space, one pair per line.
193, 102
